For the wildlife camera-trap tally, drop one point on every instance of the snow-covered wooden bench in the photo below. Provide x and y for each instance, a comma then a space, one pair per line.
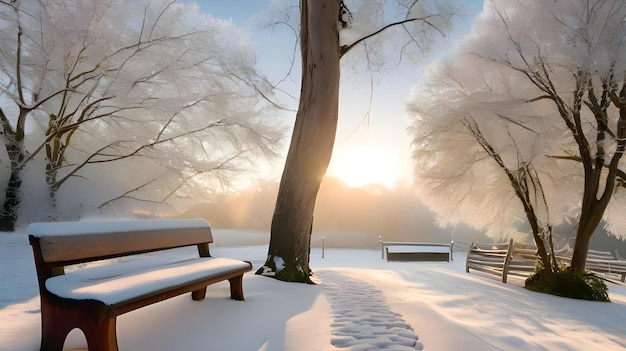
416, 251
501, 259
600, 262
91, 298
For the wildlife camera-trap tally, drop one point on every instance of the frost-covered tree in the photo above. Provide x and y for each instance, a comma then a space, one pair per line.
478, 154
561, 65
148, 98
322, 47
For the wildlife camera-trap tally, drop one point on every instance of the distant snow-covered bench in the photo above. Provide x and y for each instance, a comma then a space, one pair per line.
416, 251
90, 299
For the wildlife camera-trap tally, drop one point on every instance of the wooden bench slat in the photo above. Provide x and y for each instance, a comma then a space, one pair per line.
60, 242
104, 226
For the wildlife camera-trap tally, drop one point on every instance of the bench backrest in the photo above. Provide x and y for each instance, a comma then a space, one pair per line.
64, 243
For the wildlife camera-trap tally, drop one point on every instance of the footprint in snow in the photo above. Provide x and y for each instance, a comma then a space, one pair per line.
362, 319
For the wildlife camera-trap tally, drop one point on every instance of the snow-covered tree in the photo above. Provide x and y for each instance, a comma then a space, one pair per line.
148, 98
554, 72
479, 154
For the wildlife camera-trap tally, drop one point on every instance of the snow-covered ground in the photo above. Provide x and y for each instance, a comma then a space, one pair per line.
362, 303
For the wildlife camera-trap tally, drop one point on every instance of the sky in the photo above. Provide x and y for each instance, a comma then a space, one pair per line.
437, 303
371, 145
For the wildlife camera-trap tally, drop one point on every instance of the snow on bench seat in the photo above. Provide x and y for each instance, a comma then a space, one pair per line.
437, 249
116, 289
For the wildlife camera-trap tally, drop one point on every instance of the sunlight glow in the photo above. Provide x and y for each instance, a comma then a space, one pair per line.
359, 167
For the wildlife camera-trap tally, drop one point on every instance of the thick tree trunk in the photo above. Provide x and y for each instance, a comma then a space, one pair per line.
311, 144
594, 204
591, 213
589, 221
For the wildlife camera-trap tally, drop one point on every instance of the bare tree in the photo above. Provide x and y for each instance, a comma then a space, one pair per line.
563, 64
115, 81
594, 40
526, 183
479, 155
316, 122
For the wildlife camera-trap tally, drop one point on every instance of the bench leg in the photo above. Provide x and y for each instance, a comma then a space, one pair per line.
57, 322
236, 288
101, 336
54, 327
198, 294
53, 332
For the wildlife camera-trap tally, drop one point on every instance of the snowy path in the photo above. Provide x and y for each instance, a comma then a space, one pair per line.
351, 300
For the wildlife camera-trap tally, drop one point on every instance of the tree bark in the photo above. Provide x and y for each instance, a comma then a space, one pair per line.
590, 217
14, 145
12, 198
311, 143
593, 207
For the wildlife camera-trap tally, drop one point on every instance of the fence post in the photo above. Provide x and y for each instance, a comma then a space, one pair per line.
322, 247
452, 250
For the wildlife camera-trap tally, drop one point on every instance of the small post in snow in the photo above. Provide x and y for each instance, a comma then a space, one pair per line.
452, 245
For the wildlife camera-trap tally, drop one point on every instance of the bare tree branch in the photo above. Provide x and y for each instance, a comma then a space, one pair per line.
346, 48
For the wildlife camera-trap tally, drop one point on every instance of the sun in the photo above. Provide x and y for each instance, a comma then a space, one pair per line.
362, 167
